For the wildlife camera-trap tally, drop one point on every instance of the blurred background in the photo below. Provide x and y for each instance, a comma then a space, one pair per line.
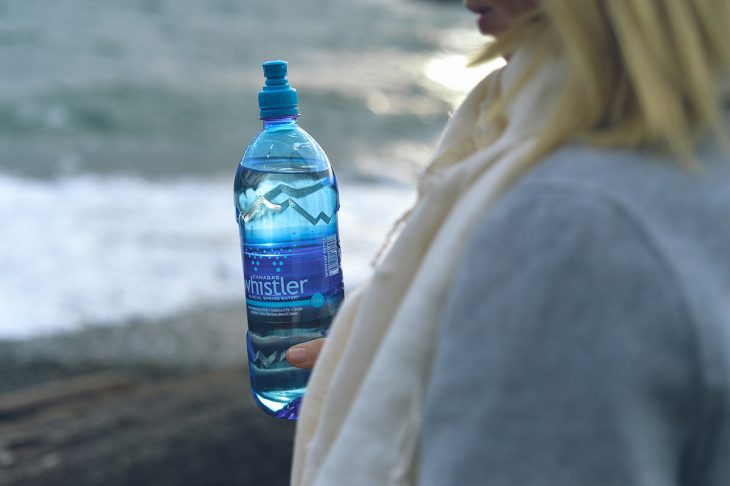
121, 293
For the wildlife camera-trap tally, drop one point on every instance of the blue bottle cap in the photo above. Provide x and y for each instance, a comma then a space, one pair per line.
277, 99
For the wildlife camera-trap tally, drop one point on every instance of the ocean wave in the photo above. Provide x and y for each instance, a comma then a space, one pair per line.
102, 250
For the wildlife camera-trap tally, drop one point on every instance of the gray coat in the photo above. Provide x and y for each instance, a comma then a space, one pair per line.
587, 339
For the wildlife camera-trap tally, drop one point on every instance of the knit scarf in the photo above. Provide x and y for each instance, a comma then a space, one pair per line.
360, 418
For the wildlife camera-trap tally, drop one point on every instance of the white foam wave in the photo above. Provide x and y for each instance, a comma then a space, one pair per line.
92, 250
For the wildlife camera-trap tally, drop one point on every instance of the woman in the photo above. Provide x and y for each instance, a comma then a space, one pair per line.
556, 307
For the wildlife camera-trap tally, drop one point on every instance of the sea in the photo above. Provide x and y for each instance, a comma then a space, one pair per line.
122, 123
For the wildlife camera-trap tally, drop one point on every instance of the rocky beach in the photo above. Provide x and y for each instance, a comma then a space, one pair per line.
164, 403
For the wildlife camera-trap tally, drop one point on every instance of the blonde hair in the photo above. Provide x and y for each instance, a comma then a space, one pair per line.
640, 72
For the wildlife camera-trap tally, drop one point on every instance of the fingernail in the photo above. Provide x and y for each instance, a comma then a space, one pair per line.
297, 355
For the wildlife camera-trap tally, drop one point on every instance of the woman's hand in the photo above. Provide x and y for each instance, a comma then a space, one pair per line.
304, 355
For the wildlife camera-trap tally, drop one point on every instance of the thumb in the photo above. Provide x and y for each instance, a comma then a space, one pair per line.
304, 355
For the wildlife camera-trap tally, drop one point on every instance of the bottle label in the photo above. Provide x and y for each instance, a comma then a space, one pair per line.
300, 281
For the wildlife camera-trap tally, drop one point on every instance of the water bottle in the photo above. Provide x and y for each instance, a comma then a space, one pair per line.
286, 199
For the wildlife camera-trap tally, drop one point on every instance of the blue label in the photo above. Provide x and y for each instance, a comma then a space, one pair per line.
298, 281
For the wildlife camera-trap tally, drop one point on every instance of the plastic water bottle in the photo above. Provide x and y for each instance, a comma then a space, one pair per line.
286, 199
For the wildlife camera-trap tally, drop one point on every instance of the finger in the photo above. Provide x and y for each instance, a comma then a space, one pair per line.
305, 355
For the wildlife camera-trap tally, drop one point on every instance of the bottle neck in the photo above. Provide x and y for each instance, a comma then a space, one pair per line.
280, 122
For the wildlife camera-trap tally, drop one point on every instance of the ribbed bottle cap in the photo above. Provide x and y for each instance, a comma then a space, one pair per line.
277, 98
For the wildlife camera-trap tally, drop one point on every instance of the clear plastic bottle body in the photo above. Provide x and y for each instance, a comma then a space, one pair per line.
286, 200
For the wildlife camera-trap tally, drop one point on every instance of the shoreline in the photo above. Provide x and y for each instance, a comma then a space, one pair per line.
201, 339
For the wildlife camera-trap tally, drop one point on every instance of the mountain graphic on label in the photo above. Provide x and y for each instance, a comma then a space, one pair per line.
266, 362
264, 204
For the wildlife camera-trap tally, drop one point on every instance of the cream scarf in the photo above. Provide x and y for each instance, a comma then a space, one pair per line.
360, 419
